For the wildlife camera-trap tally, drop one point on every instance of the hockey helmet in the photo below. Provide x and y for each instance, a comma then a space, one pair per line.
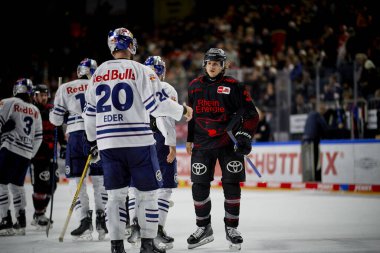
157, 64
87, 68
41, 88
215, 54
120, 39
23, 86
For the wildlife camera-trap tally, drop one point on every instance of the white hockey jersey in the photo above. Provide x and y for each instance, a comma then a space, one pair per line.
120, 97
70, 98
166, 125
26, 137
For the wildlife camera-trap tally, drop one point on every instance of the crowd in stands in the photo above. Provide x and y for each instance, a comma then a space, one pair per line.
333, 44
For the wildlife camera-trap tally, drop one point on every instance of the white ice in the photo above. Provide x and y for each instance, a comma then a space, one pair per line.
270, 221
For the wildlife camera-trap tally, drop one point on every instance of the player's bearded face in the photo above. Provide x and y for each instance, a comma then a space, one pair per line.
42, 98
213, 68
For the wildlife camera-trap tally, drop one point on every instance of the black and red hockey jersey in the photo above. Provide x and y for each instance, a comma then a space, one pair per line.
215, 105
46, 150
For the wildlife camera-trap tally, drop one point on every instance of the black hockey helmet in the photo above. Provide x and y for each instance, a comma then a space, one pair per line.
41, 88
215, 54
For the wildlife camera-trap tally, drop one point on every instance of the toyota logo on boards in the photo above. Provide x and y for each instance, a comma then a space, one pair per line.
198, 169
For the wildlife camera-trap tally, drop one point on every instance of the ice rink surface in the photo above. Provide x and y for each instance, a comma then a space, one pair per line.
270, 221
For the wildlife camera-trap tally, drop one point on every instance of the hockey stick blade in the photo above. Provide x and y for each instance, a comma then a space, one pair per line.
248, 160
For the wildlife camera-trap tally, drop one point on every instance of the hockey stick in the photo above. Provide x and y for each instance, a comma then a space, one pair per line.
75, 199
52, 171
52, 179
248, 160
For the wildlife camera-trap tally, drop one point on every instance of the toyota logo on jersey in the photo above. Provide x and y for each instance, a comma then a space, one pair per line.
234, 166
198, 169
223, 90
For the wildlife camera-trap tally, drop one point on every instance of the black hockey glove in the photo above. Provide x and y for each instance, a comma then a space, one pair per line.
62, 152
8, 126
244, 143
94, 152
153, 124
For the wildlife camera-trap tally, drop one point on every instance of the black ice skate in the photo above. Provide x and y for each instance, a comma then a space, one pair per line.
6, 225
134, 238
234, 238
148, 246
101, 227
20, 225
200, 237
84, 231
162, 237
40, 221
117, 246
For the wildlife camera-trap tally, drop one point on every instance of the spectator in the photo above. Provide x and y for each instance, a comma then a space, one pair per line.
263, 132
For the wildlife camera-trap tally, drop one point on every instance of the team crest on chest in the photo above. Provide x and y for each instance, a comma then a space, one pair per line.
223, 90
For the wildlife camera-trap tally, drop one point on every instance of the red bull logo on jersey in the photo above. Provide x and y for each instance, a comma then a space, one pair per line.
114, 74
26, 110
71, 90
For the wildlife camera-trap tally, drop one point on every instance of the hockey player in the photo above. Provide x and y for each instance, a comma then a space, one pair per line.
68, 106
119, 100
220, 104
42, 163
165, 136
21, 136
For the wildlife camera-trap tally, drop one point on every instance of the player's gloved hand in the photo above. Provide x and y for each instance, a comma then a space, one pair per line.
94, 152
62, 152
8, 126
244, 143
153, 124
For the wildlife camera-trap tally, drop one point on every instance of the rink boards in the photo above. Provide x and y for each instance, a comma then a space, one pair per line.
351, 166
346, 166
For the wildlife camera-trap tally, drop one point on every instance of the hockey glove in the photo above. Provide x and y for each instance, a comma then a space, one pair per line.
244, 143
94, 152
153, 124
62, 152
8, 126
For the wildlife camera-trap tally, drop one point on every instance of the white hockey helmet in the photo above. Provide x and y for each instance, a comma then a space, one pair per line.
23, 85
87, 68
120, 39
157, 64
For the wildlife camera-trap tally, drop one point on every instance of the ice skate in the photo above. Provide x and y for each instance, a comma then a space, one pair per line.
149, 246
134, 238
84, 231
20, 225
6, 225
163, 238
101, 227
200, 237
117, 246
40, 221
234, 238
